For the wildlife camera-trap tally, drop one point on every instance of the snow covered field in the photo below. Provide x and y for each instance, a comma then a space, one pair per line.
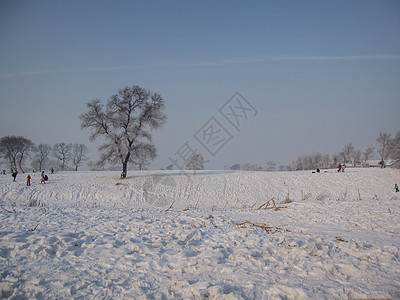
166, 235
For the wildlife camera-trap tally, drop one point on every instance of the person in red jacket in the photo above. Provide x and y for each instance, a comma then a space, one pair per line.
43, 180
28, 180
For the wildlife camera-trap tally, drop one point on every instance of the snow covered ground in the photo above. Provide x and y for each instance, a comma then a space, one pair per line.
208, 235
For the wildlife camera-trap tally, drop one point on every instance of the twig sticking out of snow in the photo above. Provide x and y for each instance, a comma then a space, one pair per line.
169, 208
287, 200
31, 230
265, 205
339, 239
268, 229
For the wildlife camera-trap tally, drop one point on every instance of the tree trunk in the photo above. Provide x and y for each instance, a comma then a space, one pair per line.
125, 166
124, 169
20, 163
13, 163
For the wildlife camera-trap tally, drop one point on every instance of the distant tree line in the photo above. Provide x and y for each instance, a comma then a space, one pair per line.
16, 152
270, 166
125, 123
387, 148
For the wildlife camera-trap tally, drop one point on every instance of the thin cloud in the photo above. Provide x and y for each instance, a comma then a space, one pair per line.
66, 71
246, 60
217, 63
333, 58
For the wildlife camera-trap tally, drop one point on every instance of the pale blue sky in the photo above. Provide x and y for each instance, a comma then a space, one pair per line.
319, 73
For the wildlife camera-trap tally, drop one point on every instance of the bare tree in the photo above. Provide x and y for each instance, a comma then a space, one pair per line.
40, 157
384, 147
195, 162
326, 161
316, 160
367, 154
126, 123
62, 152
356, 157
395, 149
270, 166
15, 149
335, 160
347, 152
251, 167
78, 155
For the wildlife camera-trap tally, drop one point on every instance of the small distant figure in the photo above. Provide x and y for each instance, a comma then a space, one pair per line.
396, 187
28, 180
4, 172
42, 178
318, 170
52, 171
339, 167
343, 167
14, 175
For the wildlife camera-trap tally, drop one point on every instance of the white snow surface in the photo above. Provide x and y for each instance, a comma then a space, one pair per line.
203, 235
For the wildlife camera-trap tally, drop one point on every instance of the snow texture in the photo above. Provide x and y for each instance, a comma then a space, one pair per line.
203, 235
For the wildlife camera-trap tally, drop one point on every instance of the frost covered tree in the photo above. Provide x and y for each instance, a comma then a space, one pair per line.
125, 122
356, 157
41, 156
251, 167
14, 150
367, 154
335, 159
347, 152
235, 167
195, 162
326, 161
78, 155
395, 149
270, 166
384, 147
62, 152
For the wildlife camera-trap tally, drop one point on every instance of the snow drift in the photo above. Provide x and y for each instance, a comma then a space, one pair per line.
209, 234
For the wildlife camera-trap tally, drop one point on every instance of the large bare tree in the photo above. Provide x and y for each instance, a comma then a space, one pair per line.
79, 155
62, 152
14, 149
126, 122
40, 158
384, 147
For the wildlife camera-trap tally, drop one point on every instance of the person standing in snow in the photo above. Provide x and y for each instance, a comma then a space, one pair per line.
14, 175
396, 187
339, 167
343, 167
42, 180
28, 180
